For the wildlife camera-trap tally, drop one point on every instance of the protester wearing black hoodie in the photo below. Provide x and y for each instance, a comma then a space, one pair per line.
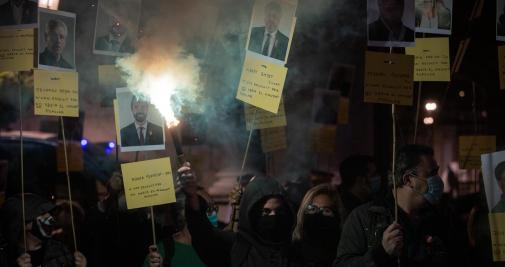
265, 225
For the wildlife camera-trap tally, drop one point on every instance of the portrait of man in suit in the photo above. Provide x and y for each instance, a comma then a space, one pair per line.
389, 26
141, 132
116, 40
499, 173
268, 40
432, 14
16, 12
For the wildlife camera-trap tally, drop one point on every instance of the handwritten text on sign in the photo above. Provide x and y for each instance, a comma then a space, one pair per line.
148, 183
261, 84
56, 93
16, 49
431, 59
472, 147
497, 227
389, 78
257, 118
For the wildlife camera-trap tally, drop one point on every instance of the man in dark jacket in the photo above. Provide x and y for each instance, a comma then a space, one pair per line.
141, 132
389, 25
265, 226
372, 237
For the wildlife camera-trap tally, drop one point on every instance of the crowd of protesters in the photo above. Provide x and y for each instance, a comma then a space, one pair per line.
362, 221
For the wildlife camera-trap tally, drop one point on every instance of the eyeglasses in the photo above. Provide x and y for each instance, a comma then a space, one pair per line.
313, 209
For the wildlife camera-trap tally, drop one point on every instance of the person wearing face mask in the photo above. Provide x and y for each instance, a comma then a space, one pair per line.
42, 249
360, 182
317, 230
372, 237
264, 233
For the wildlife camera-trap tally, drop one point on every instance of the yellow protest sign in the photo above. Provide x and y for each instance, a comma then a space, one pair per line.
501, 66
257, 118
109, 76
116, 121
323, 139
16, 49
74, 156
55, 93
273, 139
431, 59
389, 78
343, 110
497, 228
471, 147
148, 183
261, 84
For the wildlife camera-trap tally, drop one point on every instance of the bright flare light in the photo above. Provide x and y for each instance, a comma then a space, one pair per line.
428, 120
431, 106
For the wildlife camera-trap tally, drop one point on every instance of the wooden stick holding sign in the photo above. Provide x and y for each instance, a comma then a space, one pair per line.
22, 162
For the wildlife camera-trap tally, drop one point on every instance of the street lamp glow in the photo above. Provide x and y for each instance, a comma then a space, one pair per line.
428, 120
431, 106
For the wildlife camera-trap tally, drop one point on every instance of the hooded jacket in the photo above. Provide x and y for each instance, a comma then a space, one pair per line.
245, 248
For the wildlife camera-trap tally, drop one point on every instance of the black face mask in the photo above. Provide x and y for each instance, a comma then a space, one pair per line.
275, 228
321, 229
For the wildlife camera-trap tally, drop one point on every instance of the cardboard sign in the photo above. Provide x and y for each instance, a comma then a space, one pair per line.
259, 119
389, 78
261, 84
116, 121
343, 110
501, 66
472, 147
56, 93
148, 183
16, 49
431, 59
109, 77
74, 156
497, 228
323, 139
273, 139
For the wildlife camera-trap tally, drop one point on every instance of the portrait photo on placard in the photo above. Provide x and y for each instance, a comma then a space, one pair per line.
493, 174
325, 107
141, 125
391, 23
434, 16
500, 20
56, 42
116, 27
341, 78
271, 28
18, 13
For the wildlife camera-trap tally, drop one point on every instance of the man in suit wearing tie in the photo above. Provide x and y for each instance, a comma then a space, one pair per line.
141, 132
268, 40
389, 25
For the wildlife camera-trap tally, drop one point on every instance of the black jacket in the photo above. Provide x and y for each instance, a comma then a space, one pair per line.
377, 31
361, 239
129, 136
245, 248
46, 58
280, 46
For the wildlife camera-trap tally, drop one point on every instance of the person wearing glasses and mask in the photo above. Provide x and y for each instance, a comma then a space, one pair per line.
372, 237
318, 226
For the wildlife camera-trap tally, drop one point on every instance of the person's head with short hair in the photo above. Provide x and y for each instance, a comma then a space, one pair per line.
55, 36
140, 108
499, 173
391, 10
273, 14
356, 171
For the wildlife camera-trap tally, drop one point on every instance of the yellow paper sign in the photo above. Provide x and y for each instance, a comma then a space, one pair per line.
56, 93
497, 227
389, 78
343, 110
16, 49
471, 147
501, 65
148, 183
116, 120
261, 84
323, 139
273, 139
74, 156
431, 59
259, 119
109, 76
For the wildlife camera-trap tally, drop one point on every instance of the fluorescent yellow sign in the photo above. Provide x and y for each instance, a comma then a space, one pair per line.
471, 147
148, 183
16, 49
55, 93
109, 76
497, 227
431, 59
259, 119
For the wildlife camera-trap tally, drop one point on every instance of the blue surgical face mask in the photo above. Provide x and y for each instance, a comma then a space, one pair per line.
213, 219
375, 184
435, 189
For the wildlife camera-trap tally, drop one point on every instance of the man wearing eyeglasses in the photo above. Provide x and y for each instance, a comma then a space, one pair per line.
372, 237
